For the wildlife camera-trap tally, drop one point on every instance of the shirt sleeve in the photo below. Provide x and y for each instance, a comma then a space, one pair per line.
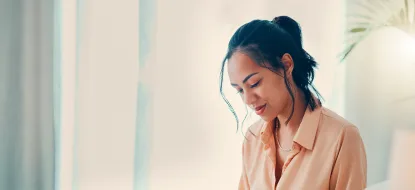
243, 182
350, 168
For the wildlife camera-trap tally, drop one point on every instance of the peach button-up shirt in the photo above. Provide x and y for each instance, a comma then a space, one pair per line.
328, 153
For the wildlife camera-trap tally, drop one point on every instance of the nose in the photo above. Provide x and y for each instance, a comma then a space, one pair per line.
250, 98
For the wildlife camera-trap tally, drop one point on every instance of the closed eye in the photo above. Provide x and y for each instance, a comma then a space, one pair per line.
256, 84
252, 86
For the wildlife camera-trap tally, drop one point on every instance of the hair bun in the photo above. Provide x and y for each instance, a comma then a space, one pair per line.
290, 26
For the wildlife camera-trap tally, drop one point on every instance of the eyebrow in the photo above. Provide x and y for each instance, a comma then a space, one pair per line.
246, 78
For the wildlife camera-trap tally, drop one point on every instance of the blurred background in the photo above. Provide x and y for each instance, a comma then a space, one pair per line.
99, 94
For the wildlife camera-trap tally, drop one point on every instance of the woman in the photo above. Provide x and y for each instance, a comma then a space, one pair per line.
297, 144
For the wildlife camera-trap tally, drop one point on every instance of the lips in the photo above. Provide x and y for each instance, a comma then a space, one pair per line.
260, 109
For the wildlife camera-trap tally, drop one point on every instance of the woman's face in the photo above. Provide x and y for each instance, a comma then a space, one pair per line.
261, 89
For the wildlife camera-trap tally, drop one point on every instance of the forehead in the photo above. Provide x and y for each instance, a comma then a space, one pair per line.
240, 65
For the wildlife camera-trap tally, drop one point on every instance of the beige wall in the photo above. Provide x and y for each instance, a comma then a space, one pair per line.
379, 74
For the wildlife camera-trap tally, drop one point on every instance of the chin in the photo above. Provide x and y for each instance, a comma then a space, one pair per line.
267, 118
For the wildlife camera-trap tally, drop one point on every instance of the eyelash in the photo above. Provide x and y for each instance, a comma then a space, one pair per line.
252, 86
256, 84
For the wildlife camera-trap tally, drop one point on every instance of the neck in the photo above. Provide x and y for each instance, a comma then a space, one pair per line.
298, 114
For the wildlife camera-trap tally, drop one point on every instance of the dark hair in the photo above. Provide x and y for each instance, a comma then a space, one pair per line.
266, 42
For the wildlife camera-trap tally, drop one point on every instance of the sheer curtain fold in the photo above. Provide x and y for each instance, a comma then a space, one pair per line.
68, 94
26, 98
99, 97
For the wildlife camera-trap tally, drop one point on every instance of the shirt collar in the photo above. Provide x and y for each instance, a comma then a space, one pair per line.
306, 133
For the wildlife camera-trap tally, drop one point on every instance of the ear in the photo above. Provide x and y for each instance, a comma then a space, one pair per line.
288, 63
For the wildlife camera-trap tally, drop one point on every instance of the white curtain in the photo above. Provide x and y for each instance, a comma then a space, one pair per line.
68, 95
99, 48
26, 95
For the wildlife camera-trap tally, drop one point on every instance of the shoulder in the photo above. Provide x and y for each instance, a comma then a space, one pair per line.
335, 123
252, 136
332, 118
340, 129
254, 131
252, 143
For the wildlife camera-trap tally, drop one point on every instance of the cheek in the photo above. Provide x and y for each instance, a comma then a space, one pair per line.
276, 93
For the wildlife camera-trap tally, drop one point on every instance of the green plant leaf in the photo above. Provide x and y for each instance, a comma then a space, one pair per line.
366, 5
375, 14
413, 19
346, 52
403, 18
354, 30
363, 11
351, 42
406, 10
363, 17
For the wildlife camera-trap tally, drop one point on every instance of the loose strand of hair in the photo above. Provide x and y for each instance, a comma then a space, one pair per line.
224, 97
288, 86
